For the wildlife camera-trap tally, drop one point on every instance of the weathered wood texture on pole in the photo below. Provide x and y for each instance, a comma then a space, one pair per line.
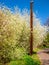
31, 28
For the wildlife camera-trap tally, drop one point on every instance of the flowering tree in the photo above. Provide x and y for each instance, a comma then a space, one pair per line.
39, 32
15, 33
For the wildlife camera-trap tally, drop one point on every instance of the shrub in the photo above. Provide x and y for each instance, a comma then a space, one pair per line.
45, 41
31, 61
11, 54
15, 33
27, 60
15, 30
18, 53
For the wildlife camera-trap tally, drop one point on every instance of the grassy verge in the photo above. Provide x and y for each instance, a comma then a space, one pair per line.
36, 59
35, 56
27, 60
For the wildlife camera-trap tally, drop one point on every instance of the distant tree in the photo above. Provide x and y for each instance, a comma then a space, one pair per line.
47, 22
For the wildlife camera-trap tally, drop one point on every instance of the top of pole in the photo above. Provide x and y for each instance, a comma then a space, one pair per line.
31, 1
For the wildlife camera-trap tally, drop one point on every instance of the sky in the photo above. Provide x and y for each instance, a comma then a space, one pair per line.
40, 7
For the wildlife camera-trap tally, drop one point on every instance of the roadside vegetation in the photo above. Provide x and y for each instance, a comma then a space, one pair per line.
14, 37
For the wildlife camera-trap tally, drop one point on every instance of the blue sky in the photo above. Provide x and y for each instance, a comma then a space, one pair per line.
41, 7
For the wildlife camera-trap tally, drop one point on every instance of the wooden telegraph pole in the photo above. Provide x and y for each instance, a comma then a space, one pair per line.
31, 28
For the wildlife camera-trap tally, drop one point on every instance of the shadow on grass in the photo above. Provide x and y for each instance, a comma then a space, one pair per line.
34, 52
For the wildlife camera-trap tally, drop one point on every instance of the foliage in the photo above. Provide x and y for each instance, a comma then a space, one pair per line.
12, 54
12, 32
27, 60
18, 54
31, 61
16, 29
47, 38
39, 32
46, 41
15, 33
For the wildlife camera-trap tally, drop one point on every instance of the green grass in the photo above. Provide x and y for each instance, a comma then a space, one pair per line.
17, 62
27, 60
36, 59
35, 56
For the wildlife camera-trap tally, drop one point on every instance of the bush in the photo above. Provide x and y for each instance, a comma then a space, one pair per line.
31, 61
15, 33
27, 60
15, 30
10, 54
18, 54
45, 41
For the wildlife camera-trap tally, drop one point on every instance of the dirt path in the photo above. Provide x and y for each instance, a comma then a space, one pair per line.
44, 56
